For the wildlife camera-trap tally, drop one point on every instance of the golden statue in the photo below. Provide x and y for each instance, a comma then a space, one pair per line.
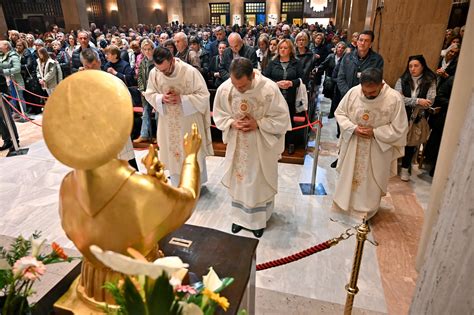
103, 201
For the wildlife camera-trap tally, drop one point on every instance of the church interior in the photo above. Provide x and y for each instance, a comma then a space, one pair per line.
416, 256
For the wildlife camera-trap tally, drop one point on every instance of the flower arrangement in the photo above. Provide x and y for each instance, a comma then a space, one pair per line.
156, 287
20, 266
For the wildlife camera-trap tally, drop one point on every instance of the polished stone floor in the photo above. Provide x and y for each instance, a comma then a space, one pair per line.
315, 285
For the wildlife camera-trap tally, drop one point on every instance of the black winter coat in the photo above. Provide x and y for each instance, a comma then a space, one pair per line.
246, 52
275, 72
308, 62
76, 58
124, 72
351, 65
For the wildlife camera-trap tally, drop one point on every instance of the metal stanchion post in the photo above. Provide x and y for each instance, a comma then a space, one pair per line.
19, 102
351, 287
312, 188
8, 122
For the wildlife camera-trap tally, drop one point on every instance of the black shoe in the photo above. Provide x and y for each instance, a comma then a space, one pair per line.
291, 149
258, 233
236, 228
6, 145
334, 164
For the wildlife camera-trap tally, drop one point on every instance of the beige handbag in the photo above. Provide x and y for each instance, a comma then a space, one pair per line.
418, 131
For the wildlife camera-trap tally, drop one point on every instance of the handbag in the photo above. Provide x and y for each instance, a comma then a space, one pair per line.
419, 129
328, 87
301, 102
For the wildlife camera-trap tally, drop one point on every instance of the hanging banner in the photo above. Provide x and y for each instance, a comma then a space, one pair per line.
236, 19
272, 19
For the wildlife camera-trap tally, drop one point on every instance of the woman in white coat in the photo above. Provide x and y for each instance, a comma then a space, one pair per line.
49, 72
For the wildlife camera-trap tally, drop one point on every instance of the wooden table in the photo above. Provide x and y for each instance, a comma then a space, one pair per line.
229, 255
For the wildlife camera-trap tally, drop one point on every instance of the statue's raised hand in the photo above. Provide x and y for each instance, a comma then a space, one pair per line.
192, 142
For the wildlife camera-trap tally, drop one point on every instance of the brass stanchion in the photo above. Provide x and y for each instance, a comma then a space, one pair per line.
351, 287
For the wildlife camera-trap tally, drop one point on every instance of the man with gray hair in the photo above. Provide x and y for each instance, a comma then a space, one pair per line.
213, 47
374, 130
184, 53
83, 37
237, 49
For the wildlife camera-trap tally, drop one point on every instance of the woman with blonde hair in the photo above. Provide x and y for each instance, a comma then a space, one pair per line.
285, 69
48, 71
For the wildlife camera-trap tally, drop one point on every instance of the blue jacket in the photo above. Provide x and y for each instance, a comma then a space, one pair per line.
351, 65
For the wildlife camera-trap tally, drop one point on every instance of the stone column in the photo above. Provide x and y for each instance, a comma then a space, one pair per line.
444, 284
3, 25
175, 8
339, 13
152, 11
75, 14
357, 16
346, 13
461, 99
128, 12
111, 12
410, 28
274, 7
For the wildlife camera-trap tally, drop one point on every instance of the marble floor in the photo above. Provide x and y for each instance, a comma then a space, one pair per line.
315, 285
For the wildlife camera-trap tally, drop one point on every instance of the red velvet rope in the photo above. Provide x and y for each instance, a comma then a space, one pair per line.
22, 88
19, 113
18, 100
286, 260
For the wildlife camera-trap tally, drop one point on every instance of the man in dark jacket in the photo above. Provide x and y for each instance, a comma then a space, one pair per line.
213, 47
118, 67
236, 49
357, 61
83, 39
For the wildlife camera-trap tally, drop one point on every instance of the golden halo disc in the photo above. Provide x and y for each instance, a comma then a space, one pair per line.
87, 119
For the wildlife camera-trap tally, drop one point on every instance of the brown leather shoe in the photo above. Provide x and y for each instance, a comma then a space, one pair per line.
141, 140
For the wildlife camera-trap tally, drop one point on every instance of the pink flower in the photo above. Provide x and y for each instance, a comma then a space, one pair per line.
29, 268
186, 289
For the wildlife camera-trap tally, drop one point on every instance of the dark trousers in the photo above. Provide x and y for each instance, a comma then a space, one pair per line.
3, 125
406, 160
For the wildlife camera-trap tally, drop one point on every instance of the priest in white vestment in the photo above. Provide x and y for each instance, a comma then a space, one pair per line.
374, 129
179, 94
253, 116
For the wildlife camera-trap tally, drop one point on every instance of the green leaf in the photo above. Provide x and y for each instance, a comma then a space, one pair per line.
225, 283
134, 304
242, 312
160, 298
113, 289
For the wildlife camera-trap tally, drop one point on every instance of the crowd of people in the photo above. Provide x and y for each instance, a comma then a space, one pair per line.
289, 55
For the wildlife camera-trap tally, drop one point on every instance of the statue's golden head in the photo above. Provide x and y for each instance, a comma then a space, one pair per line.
87, 119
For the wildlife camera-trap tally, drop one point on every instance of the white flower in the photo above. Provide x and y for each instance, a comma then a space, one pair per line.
36, 245
173, 266
211, 280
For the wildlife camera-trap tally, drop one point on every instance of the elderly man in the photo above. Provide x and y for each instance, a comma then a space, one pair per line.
236, 49
184, 53
163, 38
84, 42
374, 129
253, 116
10, 68
91, 61
179, 94
9, 65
